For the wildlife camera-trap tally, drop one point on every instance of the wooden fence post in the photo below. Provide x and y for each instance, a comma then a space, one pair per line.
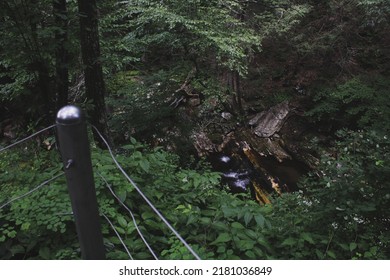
76, 156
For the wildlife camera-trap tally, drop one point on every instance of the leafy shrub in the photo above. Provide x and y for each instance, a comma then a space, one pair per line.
140, 106
39, 225
361, 102
341, 213
343, 210
216, 224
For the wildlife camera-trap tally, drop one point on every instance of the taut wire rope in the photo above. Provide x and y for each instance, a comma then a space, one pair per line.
27, 138
32, 190
117, 234
132, 216
145, 198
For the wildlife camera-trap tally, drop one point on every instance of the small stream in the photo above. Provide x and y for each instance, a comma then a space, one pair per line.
237, 175
265, 157
262, 176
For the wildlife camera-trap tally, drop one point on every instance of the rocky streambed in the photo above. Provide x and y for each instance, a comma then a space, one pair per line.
267, 155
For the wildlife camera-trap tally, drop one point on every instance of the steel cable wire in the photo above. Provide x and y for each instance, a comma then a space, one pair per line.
117, 234
32, 190
145, 198
27, 138
132, 216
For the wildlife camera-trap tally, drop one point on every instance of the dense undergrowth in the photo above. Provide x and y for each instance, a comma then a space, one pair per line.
340, 213
40, 225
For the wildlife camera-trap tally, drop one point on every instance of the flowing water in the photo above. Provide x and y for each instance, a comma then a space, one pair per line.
246, 171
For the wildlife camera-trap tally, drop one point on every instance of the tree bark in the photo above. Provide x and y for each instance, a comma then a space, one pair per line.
61, 52
94, 83
237, 90
233, 84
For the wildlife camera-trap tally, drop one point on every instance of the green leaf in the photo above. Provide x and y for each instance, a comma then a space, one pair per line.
120, 230
133, 141
191, 219
107, 167
12, 234
130, 228
307, 237
221, 249
331, 254
122, 195
250, 254
142, 256
260, 220
128, 147
25, 226
248, 218
319, 254
220, 226
145, 165
147, 215
122, 222
205, 221
197, 182
137, 154
352, 246
153, 224
289, 242
223, 237
251, 234
228, 211
237, 225
368, 255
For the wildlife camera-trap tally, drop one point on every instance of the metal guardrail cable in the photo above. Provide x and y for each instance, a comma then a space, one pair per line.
27, 138
132, 216
32, 190
145, 198
117, 234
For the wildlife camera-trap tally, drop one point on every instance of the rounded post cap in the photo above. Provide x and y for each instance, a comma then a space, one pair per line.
70, 114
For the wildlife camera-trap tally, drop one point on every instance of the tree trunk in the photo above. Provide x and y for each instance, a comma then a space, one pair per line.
94, 83
233, 84
237, 91
45, 89
61, 53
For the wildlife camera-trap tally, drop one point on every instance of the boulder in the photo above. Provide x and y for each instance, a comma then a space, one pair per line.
267, 123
